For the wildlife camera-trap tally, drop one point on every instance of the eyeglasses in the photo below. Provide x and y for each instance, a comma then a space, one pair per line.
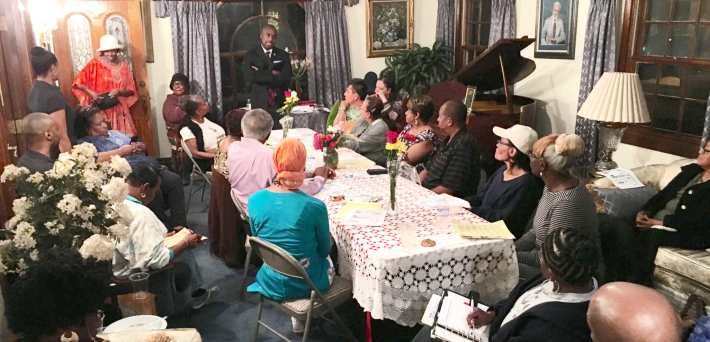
504, 143
704, 150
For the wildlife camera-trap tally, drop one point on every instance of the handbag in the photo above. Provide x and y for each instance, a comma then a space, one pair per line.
107, 102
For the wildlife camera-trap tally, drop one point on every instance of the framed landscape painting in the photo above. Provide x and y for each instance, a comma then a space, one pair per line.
389, 26
556, 29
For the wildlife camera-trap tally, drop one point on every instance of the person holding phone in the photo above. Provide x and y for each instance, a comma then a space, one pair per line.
267, 70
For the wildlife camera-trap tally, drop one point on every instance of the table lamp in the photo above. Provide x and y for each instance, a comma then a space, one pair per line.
616, 101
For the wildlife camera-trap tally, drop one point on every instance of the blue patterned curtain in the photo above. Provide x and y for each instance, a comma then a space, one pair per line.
327, 46
502, 20
446, 24
706, 130
196, 46
599, 56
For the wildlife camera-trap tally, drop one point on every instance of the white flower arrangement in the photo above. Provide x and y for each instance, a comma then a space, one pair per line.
77, 204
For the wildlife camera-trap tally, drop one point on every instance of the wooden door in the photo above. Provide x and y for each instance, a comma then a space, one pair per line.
76, 39
15, 81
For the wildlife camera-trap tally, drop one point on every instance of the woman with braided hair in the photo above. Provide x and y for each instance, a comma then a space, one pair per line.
552, 306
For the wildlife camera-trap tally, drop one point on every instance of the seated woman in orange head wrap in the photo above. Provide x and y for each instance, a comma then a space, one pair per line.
294, 221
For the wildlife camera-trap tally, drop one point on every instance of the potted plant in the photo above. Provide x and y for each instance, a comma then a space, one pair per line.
417, 69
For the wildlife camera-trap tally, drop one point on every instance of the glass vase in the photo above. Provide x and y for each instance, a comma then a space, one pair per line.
330, 157
286, 123
392, 170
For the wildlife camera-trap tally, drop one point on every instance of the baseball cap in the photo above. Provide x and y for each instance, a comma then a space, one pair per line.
522, 137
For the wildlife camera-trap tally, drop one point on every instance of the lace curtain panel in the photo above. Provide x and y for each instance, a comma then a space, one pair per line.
327, 46
446, 24
502, 20
599, 56
196, 46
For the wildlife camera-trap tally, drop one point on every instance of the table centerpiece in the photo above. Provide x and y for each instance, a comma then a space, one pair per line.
285, 111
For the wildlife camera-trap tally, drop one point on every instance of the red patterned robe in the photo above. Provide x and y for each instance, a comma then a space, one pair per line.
102, 77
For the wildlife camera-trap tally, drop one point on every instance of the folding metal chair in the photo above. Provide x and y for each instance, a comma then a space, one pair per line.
245, 216
207, 176
318, 304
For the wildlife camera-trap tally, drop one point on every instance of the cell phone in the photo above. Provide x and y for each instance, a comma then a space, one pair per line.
135, 139
373, 172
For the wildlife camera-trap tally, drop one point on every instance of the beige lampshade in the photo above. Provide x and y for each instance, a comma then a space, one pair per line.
617, 97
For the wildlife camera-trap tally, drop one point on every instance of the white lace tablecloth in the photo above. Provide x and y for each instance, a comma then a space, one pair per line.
395, 283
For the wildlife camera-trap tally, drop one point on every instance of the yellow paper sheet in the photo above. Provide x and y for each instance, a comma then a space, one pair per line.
356, 205
495, 230
171, 241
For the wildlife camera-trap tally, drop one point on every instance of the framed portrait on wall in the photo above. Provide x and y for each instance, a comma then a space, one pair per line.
556, 29
389, 26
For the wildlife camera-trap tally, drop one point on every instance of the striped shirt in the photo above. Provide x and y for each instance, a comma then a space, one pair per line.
454, 165
573, 208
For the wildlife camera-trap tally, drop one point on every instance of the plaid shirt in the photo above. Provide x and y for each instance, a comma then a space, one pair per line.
454, 165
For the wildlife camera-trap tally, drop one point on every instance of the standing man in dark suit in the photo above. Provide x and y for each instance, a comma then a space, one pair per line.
267, 70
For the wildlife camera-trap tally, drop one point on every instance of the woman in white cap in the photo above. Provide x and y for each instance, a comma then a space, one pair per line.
107, 83
512, 192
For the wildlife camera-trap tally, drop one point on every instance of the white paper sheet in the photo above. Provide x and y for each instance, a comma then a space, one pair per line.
359, 217
622, 178
332, 187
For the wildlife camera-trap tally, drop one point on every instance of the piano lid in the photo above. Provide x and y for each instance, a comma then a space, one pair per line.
485, 73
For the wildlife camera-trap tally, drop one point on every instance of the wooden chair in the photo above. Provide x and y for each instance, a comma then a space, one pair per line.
301, 309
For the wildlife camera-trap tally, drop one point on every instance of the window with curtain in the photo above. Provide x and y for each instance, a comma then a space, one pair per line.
475, 28
239, 25
669, 47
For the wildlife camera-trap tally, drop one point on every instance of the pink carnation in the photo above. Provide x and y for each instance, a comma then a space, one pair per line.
287, 93
333, 145
329, 137
392, 137
409, 137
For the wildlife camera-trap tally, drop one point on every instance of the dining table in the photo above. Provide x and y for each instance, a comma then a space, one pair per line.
396, 283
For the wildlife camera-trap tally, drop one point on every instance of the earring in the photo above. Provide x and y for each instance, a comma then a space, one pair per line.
69, 336
416, 122
143, 195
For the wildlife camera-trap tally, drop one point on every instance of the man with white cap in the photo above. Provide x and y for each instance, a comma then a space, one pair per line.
512, 192
107, 82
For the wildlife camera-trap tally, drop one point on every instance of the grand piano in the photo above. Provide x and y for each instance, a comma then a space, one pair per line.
498, 67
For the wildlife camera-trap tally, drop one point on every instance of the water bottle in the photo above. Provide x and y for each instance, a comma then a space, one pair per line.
248, 104
442, 217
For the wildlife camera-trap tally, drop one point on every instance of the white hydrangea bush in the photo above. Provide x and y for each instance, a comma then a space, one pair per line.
78, 204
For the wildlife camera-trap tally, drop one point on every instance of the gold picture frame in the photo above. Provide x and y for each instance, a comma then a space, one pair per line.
390, 26
470, 98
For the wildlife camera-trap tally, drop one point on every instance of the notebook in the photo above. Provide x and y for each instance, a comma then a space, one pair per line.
447, 313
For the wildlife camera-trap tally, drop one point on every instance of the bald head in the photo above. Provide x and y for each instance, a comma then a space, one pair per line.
625, 312
39, 128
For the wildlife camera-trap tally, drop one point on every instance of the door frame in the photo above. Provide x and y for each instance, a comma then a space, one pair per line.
16, 40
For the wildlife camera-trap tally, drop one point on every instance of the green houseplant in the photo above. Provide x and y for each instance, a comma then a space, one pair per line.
417, 69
